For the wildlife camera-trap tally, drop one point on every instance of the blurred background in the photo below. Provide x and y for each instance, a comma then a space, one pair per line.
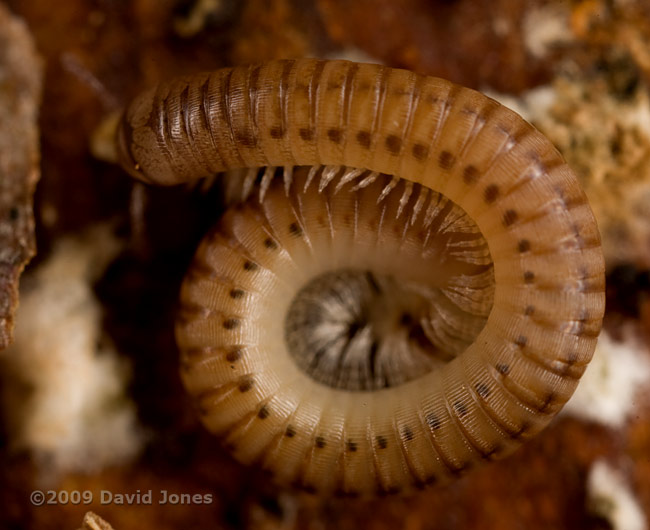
91, 398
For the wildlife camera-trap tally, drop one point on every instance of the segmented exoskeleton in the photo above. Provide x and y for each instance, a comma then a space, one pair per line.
420, 290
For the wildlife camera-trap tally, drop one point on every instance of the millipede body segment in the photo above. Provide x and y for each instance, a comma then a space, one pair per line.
419, 288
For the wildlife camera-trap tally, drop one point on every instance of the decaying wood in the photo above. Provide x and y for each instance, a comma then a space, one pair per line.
20, 89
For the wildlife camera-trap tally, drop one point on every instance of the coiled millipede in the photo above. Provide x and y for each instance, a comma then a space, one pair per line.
419, 291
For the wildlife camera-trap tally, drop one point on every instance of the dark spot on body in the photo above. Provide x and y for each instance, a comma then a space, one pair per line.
446, 160
13, 213
320, 442
276, 132
270, 244
510, 217
420, 151
529, 277
236, 293
250, 266
433, 421
246, 384
491, 193
263, 413
503, 368
335, 135
295, 230
234, 355
382, 441
548, 402
306, 134
482, 390
407, 434
393, 144
461, 408
529, 310
521, 341
364, 139
470, 174
351, 446
523, 245
290, 431
246, 138
231, 323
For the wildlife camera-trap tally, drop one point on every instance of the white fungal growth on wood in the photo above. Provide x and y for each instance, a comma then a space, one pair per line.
62, 387
610, 497
610, 386
546, 28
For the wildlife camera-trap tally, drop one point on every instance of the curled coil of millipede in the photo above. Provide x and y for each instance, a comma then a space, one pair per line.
414, 284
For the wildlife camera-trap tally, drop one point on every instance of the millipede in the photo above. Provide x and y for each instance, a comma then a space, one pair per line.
412, 283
